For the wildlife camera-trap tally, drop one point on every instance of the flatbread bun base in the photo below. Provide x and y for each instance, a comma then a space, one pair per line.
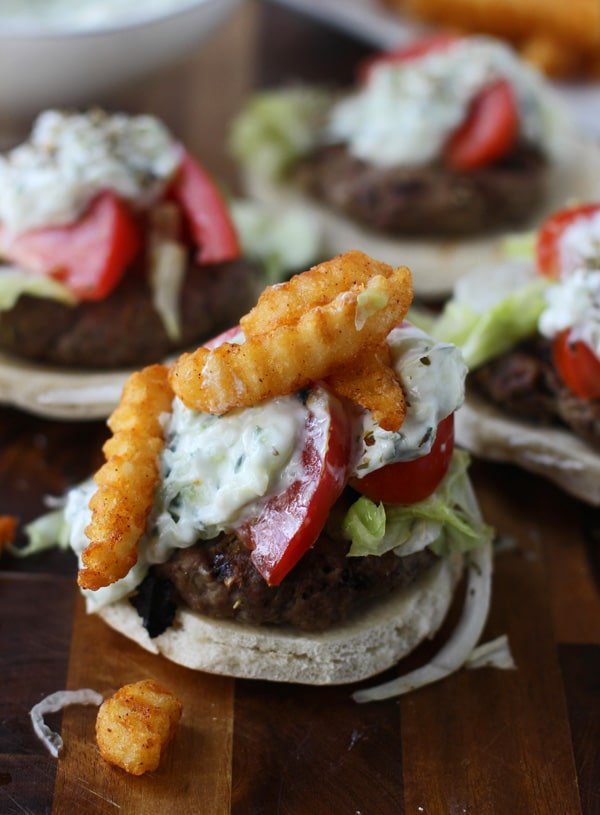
363, 647
59, 393
556, 454
437, 264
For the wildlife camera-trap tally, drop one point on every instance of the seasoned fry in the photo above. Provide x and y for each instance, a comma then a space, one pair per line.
369, 381
135, 725
127, 481
287, 302
559, 38
8, 530
292, 355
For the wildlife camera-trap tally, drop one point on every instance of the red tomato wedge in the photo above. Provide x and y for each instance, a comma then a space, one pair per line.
550, 235
577, 366
290, 523
206, 213
89, 256
419, 48
225, 336
410, 481
489, 131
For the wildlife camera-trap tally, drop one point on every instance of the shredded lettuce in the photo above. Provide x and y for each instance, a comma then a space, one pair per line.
46, 532
448, 521
276, 128
483, 336
280, 242
15, 282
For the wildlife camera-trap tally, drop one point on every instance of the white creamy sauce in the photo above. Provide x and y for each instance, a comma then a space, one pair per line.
70, 14
77, 516
70, 158
406, 112
574, 302
213, 467
580, 245
486, 287
433, 378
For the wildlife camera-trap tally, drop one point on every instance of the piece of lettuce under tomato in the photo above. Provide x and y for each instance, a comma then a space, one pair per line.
448, 521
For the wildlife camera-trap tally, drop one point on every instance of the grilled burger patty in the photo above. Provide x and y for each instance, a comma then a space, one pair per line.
124, 329
217, 578
431, 200
525, 384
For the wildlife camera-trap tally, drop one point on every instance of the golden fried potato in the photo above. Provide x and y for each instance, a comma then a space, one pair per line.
136, 724
287, 302
127, 481
370, 381
551, 55
559, 38
292, 355
8, 530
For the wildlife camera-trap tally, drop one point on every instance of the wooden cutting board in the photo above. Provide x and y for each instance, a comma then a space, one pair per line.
484, 741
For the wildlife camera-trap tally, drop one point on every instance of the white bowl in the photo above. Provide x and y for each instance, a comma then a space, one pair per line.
42, 68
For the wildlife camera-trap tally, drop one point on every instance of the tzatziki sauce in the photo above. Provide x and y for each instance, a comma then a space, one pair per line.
406, 111
433, 379
579, 245
71, 157
574, 303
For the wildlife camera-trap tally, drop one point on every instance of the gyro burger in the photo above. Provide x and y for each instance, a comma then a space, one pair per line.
116, 247
530, 333
449, 138
286, 502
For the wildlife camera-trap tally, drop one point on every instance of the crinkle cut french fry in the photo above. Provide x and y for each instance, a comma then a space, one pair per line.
127, 481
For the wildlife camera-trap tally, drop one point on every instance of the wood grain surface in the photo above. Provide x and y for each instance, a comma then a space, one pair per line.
483, 742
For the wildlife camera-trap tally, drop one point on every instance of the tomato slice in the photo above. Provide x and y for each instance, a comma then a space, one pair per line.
548, 255
290, 523
226, 336
206, 213
407, 482
489, 131
419, 48
90, 255
577, 365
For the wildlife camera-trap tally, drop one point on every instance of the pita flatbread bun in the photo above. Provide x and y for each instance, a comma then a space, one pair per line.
437, 264
356, 650
553, 453
59, 393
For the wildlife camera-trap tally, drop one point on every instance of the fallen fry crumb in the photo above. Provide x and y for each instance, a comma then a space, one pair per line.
136, 724
8, 530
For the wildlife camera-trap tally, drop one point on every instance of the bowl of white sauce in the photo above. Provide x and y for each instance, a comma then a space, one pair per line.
68, 52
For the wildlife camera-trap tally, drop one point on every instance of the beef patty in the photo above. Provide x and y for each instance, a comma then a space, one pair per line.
525, 384
124, 329
432, 200
217, 578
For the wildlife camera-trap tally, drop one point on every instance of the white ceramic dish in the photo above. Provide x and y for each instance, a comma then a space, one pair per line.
42, 68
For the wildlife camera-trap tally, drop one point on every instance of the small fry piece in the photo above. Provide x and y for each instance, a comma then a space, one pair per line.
127, 481
292, 355
136, 724
8, 530
370, 381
